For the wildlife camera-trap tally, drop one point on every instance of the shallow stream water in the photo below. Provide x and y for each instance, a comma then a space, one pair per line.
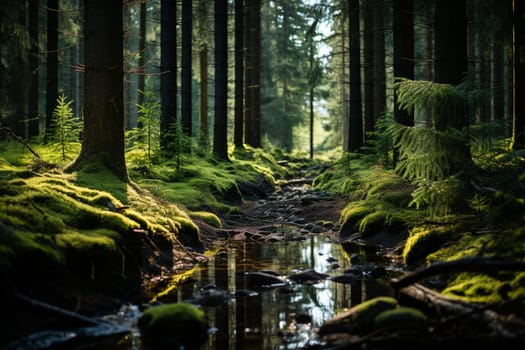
280, 317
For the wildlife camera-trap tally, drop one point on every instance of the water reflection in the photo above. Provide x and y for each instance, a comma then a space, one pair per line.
266, 320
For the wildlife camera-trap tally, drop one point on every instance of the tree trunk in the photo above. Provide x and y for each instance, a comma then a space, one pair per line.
168, 78
403, 26
186, 69
379, 62
220, 144
103, 138
52, 63
518, 133
34, 62
253, 81
203, 127
368, 65
451, 64
142, 53
355, 139
238, 126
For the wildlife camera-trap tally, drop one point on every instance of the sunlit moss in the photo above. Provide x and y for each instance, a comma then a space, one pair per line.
207, 217
474, 288
351, 215
78, 242
425, 240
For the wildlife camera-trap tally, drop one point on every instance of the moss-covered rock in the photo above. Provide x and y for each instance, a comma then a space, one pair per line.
359, 319
207, 217
400, 317
425, 240
173, 326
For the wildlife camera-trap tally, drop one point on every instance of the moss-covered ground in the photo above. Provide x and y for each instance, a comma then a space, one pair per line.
488, 222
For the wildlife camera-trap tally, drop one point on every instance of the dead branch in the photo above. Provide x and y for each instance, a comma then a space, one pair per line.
473, 264
56, 310
19, 139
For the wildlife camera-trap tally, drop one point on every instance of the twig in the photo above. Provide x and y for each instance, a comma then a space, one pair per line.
19, 139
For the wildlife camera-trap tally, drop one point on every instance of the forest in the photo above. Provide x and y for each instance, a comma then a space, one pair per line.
262, 174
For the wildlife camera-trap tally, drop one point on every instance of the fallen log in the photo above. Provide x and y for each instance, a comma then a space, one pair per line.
449, 309
472, 264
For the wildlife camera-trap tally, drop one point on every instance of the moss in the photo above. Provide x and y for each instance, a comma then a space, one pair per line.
207, 217
474, 288
173, 326
399, 317
80, 243
360, 318
425, 240
373, 222
351, 215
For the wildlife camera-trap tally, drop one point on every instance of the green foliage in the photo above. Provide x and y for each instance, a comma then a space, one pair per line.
65, 127
146, 136
440, 197
180, 144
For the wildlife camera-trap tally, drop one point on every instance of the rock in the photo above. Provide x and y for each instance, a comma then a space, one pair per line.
261, 279
302, 318
211, 297
359, 319
209, 286
245, 293
400, 317
377, 272
355, 259
331, 259
345, 279
173, 326
356, 272
308, 277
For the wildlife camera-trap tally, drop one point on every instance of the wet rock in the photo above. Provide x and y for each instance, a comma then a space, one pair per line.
356, 272
308, 277
331, 259
302, 318
377, 272
335, 266
400, 317
344, 278
270, 272
209, 286
355, 259
261, 279
359, 319
317, 229
245, 293
173, 326
211, 297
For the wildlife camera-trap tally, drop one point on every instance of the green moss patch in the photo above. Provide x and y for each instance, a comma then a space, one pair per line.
425, 240
174, 326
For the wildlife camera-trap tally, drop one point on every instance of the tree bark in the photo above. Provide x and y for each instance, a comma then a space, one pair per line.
355, 137
403, 26
220, 144
51, 63
379, 63
142, 53
34, 61
368, 65
238, 126
253, 81
186, 69
168, 78
518, 132
103, 137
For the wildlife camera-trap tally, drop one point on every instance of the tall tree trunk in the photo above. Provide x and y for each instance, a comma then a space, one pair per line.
186, 69
379, 62
451, 64
52, 63
253, 81
203, 127
168, 78
103, 94
518, 134
220, 144
355, 140
368, 65
311, 97
142, 51
34, 62
403, 26
238, 126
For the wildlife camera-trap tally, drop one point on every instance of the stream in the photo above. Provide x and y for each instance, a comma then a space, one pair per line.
277, 242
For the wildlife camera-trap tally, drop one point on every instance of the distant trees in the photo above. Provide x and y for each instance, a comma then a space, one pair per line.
51, 62
355, 135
